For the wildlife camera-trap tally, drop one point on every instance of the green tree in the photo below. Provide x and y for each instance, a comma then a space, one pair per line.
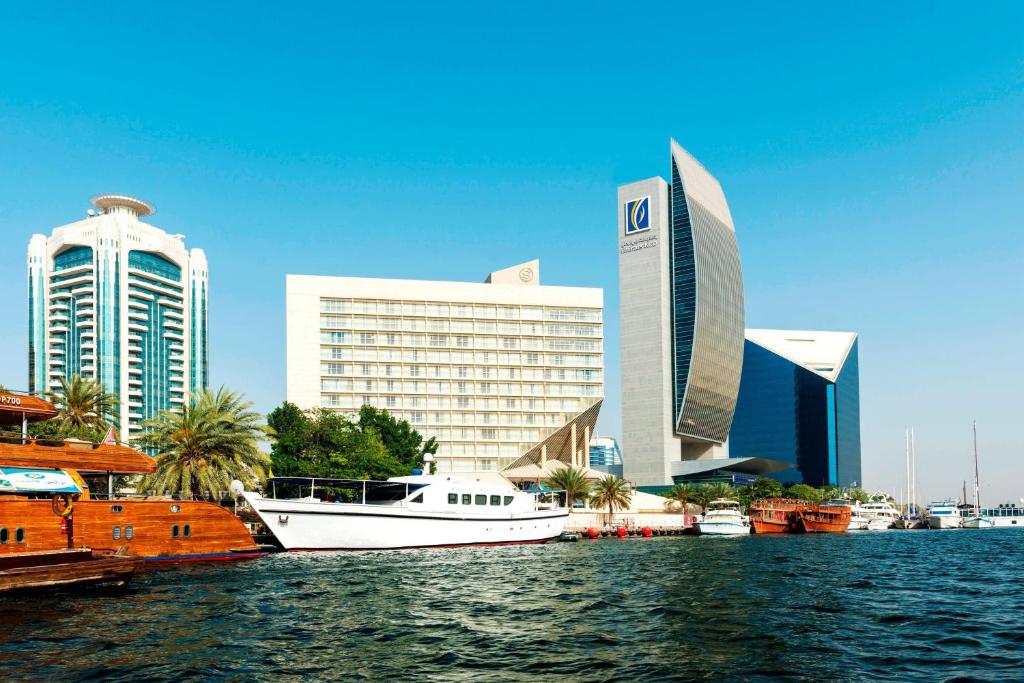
573, 481
327, 444
402, 441
859, 495
85, 409
610, 492
684, 494
212, 440
764, 487
804, 492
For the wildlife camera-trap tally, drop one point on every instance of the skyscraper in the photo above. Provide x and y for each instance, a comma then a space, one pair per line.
122, 302
500, 372
681, 307
799, 403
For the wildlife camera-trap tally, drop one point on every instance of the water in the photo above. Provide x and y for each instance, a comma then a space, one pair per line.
915, 605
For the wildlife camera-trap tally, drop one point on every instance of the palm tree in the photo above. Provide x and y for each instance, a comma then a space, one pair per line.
573, 481
201, 448
83, 405
683, 494
612, 492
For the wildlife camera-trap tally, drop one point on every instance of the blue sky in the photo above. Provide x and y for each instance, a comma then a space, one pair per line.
872, 156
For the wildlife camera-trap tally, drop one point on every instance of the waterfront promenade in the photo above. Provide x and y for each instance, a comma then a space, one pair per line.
838, 607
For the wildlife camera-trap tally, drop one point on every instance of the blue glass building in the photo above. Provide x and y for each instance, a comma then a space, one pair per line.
121, 302
799, 403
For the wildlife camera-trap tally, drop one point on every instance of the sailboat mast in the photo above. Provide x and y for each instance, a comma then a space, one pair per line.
977, 501
913, 464
906, 435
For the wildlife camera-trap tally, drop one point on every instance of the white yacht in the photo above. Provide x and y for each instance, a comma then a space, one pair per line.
943, 514
976, 519
1005, 515
880, 513
417, 511
723, 518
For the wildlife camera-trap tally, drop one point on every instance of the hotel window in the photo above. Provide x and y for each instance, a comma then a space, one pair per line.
462, 387
437, 309
462, 402
533, 359
488, 433
369, 385
367, 338
485, 388
462, 311
391, 402
438, 340
462, 341
393, 339
508, 313
509, 343
416, 417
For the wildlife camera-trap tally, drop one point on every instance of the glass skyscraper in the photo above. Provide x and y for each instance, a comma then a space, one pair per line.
681, 292
799, 402
121, 302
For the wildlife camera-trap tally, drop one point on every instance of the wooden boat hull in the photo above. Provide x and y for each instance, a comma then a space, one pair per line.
814, 522
49, 569
145, 528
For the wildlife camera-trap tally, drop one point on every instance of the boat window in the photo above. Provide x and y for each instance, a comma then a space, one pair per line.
174, 531
186, 531
495, 500
453, 498
417, 499
19, 536
175, 508
117, 533
481, 499
116, 508
4, 536
509, 499
128, 533
467, 499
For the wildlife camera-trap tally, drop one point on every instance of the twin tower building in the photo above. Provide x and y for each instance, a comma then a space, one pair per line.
507, 374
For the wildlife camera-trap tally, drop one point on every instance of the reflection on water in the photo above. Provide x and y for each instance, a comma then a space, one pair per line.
895, 605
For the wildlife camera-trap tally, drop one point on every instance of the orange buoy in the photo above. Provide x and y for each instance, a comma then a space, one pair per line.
593, 533
646, 531
620, 532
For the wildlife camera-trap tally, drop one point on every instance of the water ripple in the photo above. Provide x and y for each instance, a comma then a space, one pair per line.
889, 606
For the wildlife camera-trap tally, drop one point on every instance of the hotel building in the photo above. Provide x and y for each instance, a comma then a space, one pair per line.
119, 301
799, 403
681, 303
495, 371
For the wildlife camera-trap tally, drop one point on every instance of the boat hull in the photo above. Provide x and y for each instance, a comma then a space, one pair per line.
302, 526
880, 524
943, 522
214, 533
721, 529
50, 569
978, 523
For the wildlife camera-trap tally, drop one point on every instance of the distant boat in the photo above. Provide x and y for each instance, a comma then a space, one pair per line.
976, 520
880, 513
723, 518
786, 516
944, 514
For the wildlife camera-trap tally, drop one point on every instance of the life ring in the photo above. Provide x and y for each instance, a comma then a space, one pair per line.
62, 505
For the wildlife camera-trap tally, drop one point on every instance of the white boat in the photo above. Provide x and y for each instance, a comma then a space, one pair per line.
943, 514
1004, 515
417, 511
858, 522
880, 513
976, 520
723, 518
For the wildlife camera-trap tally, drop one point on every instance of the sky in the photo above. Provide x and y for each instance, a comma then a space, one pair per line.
872, 155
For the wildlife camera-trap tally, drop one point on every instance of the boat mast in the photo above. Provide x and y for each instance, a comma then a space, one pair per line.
977, 501
906, 435
913, 464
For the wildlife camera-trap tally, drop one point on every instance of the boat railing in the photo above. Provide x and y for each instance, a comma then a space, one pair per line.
49, 442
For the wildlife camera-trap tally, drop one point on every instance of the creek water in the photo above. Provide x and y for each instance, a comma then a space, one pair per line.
897, 605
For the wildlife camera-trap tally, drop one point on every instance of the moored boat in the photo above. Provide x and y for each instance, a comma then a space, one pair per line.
43, 492
723, 518
943, 514
774, 515
824, 518
68, 567
418, 511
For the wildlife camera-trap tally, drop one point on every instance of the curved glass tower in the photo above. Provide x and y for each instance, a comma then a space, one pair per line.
119, 301
681, 302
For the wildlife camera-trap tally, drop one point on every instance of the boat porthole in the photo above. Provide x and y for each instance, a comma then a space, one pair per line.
175, 508
5, 535
174, 531
19, 535
116, 508
128, 533
187, 531
117, 533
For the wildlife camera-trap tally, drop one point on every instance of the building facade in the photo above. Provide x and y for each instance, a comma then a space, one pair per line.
681, 302
799, 402
119, 301
488, 369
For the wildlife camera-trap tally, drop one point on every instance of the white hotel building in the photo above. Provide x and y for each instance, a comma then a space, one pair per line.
490, 369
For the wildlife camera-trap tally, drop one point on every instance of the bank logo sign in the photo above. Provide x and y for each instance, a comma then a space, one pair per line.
638, 215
